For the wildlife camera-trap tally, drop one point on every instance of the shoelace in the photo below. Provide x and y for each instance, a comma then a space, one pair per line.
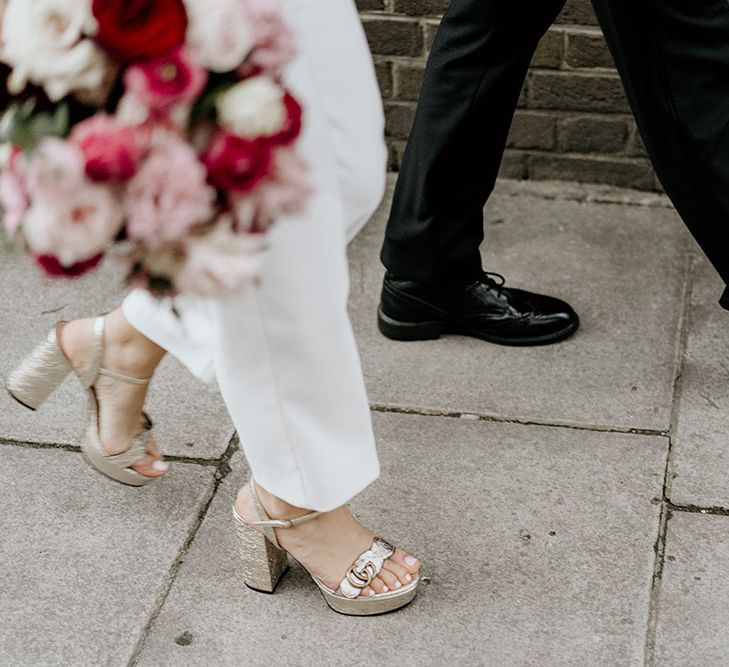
494, 280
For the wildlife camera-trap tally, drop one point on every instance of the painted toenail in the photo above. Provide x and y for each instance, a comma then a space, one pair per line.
160, 466
409, 560
408, 578
398, 584
385, 589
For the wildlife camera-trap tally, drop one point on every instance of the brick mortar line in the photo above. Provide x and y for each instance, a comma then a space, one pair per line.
667, 508
223, 470
607, 158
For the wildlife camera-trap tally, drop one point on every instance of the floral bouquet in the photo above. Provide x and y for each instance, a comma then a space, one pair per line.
159, 129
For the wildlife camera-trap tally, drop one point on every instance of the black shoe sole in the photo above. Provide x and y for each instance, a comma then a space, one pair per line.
412, 331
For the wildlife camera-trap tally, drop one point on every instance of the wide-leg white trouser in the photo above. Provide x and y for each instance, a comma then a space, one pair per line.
283, 353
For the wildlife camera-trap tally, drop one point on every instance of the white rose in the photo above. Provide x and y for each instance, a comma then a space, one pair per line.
44, 43
219, 34
253, 108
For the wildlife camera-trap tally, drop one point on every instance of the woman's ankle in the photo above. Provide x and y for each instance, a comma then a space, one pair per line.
276, 507
127, 350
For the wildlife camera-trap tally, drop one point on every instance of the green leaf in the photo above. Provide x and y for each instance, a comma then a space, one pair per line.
204, 108
22, 126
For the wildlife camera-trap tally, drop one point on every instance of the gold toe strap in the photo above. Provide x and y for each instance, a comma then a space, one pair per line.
366, 568
138, 449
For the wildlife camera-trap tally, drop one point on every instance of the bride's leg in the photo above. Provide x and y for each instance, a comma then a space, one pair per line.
286, 359
348, 93
128, 352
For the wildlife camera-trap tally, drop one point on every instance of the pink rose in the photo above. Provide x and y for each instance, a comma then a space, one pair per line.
236, 164
166, 82
275, 42
169, 195
283, 193
13, 197
112, 151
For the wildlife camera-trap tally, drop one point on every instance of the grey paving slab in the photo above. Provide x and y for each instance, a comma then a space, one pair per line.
82, 559
538, 542
694, 595
701, 448
190, 417
622, 267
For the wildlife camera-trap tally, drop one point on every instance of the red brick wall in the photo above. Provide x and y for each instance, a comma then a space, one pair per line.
573, 122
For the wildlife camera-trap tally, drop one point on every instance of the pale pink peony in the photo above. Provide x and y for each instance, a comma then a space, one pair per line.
275, 41
56, 170
70, 220
112, 151
220, 262
164, 84
283, 193
13, 197
76, 228
169, 194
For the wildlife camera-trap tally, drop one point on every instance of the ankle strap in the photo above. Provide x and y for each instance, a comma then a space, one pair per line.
95, 369
124, 378
268, 524
286, 523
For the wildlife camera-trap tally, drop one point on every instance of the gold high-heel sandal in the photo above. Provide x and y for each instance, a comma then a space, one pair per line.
41, 373
265, 562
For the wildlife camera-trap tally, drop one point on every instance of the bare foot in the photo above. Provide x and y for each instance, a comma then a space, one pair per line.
329, 545
128, 352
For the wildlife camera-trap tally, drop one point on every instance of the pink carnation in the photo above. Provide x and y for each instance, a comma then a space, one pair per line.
169, 194
112, 151
283, 193
275, 43
164, 83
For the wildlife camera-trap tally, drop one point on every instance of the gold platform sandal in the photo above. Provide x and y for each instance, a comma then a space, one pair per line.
265, 563
41, 373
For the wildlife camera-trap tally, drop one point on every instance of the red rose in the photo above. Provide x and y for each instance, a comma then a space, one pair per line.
54, 268
140, 29
292, 127
236, 164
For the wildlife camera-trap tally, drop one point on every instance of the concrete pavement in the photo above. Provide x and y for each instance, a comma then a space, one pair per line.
570, 503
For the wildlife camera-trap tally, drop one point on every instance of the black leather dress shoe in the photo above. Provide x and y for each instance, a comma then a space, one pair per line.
483, 309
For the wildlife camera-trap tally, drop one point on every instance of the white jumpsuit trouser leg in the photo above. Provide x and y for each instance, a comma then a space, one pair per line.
283, 353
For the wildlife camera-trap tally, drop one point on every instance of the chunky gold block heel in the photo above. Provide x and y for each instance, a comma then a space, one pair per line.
39, 374
265, 562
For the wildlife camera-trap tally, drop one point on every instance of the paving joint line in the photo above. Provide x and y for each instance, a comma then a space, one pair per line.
493, 419
223, 470
667, 508
698, 509
75, 449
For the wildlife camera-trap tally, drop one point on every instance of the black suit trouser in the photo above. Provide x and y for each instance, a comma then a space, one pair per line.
673, 58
